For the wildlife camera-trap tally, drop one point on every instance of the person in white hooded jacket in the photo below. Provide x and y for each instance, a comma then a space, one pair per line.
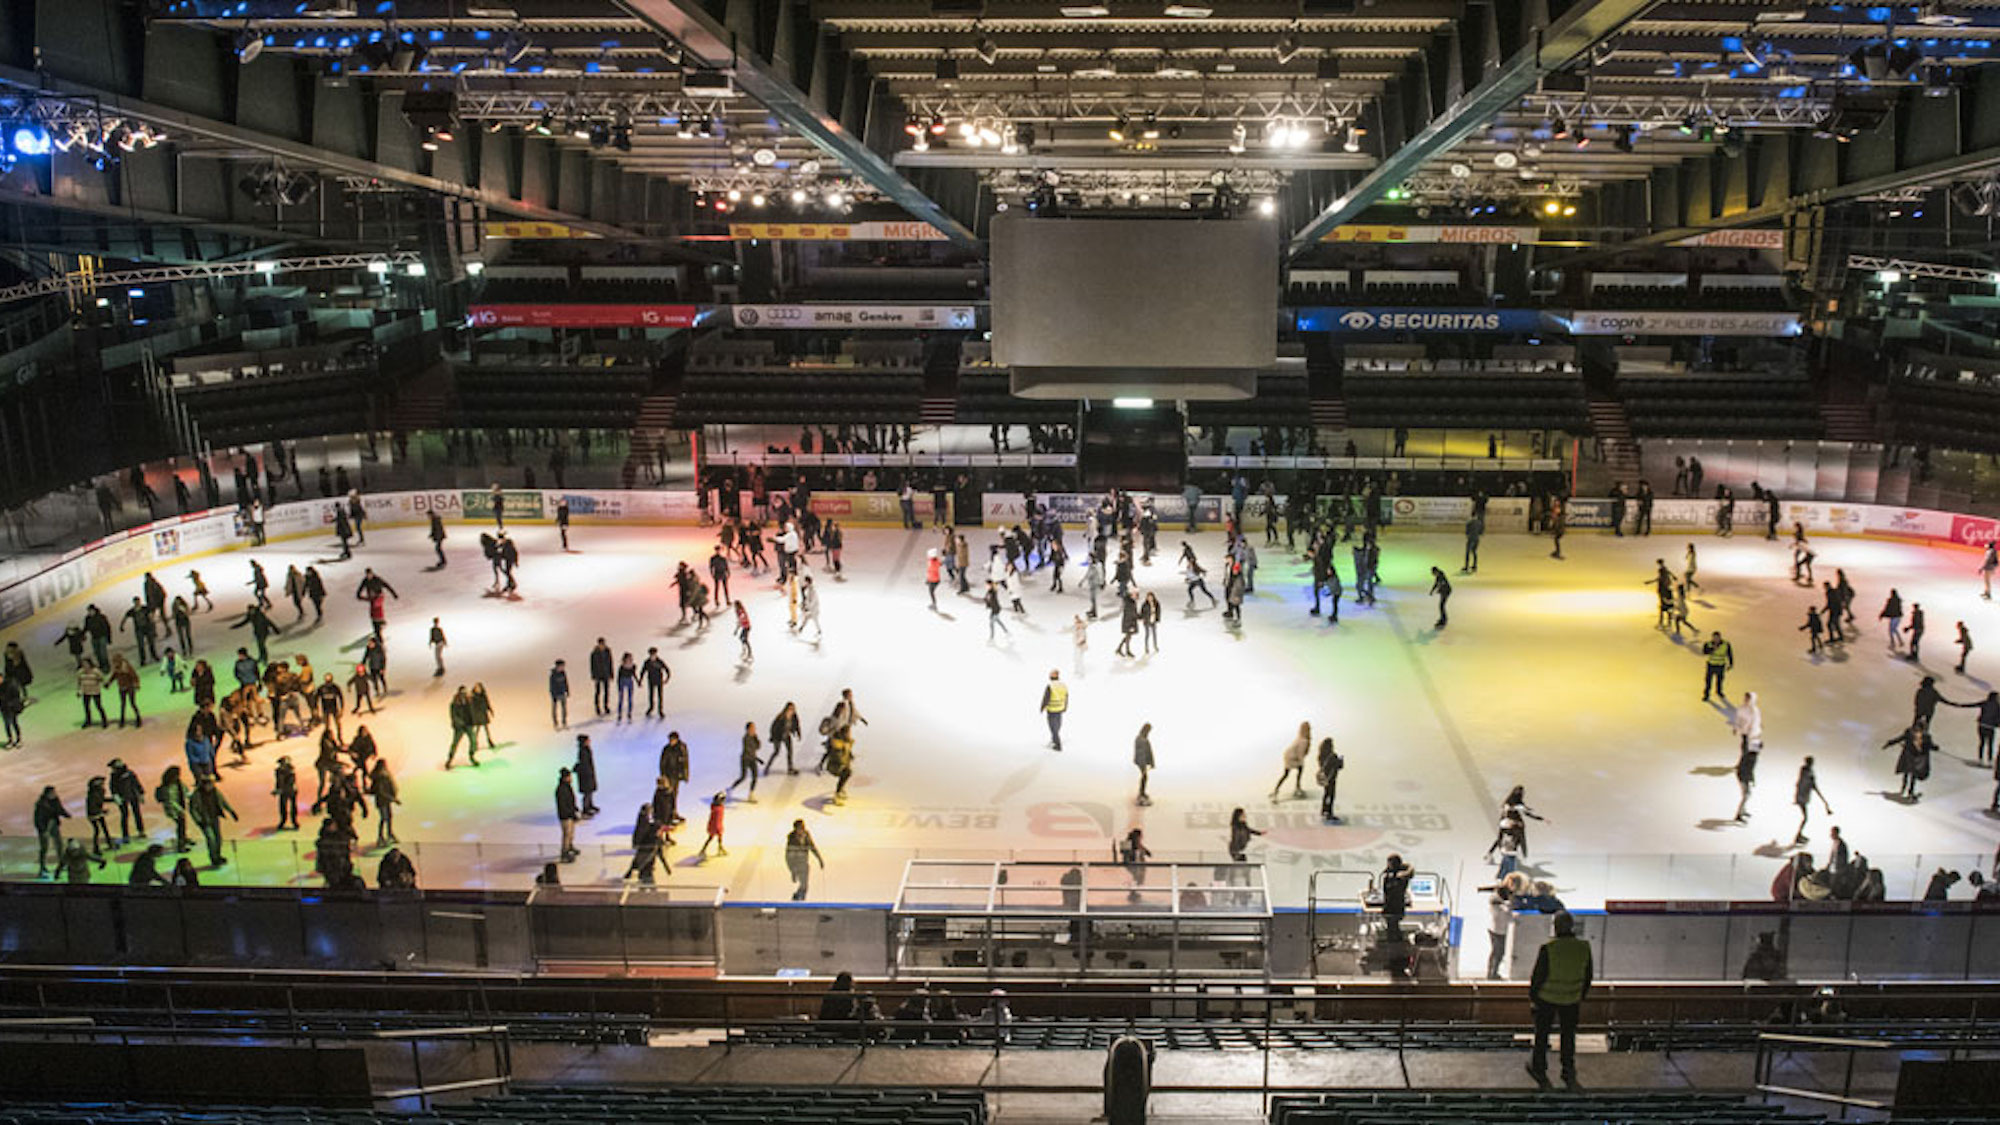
1748, 723
1295, 763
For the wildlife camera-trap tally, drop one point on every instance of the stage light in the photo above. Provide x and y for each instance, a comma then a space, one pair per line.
757, 199
1396, 194
1288, 47
1267, 206
915, 126
835, 200
1132, 403
920, 144
987, 50
1569, 210
621, 138
1551, 208
580, 130
1352, 143
27, 138
1119, 128
378, 268
1628, 139
475, 267
1238, 136
545, 125
798, 196
249, 45
1889, 277
429, 143
1151, 132
414, 269
1558, 128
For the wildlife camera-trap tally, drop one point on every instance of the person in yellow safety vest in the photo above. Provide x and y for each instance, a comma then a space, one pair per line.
1560, 983
1055, 701
1721, 658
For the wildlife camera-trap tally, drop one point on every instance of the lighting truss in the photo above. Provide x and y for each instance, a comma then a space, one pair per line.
1167, 108
84, 282
777, 185
1936, 270
1669, 112
75, 123
1106, 184
521, 108
1427, 187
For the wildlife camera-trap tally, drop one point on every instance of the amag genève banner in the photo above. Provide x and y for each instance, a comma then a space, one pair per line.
962, 317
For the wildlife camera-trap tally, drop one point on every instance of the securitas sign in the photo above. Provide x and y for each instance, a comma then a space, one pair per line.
1349, 321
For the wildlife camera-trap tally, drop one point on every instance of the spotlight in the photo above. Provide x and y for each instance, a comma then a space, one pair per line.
545, 125
1267, 206
249, 45
835, 200
1569, 210
1152, 130
1552, 208
1238, 135
1353, 141
915, 126
1120, 128
1288, 47
621, 138
1628, 139
987, 50
798, 196
1558, 128
757, 199
937, 124
600, 134
735, 194
27, 138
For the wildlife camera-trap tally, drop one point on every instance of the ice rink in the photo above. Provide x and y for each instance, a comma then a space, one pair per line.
1550, 675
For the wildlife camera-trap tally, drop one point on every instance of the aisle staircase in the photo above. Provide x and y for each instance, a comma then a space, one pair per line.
1849, 421
938, 411
1621, 453
421, 403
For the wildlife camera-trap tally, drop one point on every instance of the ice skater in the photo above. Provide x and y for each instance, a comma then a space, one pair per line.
1240, 834
1055, 704
1441, 586
1913, 758
1195, 576
1717, 659
784, 732
1916, 633
1803, 791
743, 633
1892, 612
1813, 628
716, 806
1747, 753
1987, 566
1688, 569
1142, 758
993, 621
1329, 765
1295, 763
809, 608
748, 762
438, 644
1964, 647
1474, 529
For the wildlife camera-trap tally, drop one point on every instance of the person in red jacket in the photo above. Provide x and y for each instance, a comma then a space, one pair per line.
715, 806
933, 574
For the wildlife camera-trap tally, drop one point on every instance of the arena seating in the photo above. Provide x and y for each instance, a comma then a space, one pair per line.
1281, 400
583, 396
1483, 401
1418, 293
1487, 1107
1721, 404
1638, 297
1926, 408
717, 1105
985, 394
834, 381
241, 411
1042, 1034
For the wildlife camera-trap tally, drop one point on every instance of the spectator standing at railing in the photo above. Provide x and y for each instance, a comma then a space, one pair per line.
357, 514
1557, 989
181, 497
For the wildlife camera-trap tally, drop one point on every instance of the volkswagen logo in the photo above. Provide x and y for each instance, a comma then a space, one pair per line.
746, 316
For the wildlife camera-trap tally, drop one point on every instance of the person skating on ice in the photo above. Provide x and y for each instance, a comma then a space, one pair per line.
1717, 659
809, 608
748, 762
1294, 763
654, 673
1475, 528
585, 774
1804, 789
1924, 704
1689, 567
1327, 773
1662, 583
1987, 565
558, 696
1055, 703
1240, 834
993, 621
436, 536
784, 731
1892, 612
800, 853
1988, 721
1964, 647
1441, 586
1913, 758
1128, 623
1196, 577
1813, 628
745, 655
1142, 759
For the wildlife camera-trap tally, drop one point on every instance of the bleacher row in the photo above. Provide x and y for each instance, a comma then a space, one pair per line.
1488, 1107
1745, 405
985, 398
1280, 401
822, 398
244, 411
1399, 293
584, 397
717, 1105
1950, 414
1733, 298
1468, 402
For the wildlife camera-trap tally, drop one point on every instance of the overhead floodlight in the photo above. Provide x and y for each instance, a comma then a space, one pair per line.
835, 200
1132, 403
1889, 277
1189, 11
414, 269
1505, 160
378, 267
987, 50
1119, 128
1352, 142
249, 45
1267, 206
757, 199
1288, 47
475, 267
28, 138
267, 267
798, 196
